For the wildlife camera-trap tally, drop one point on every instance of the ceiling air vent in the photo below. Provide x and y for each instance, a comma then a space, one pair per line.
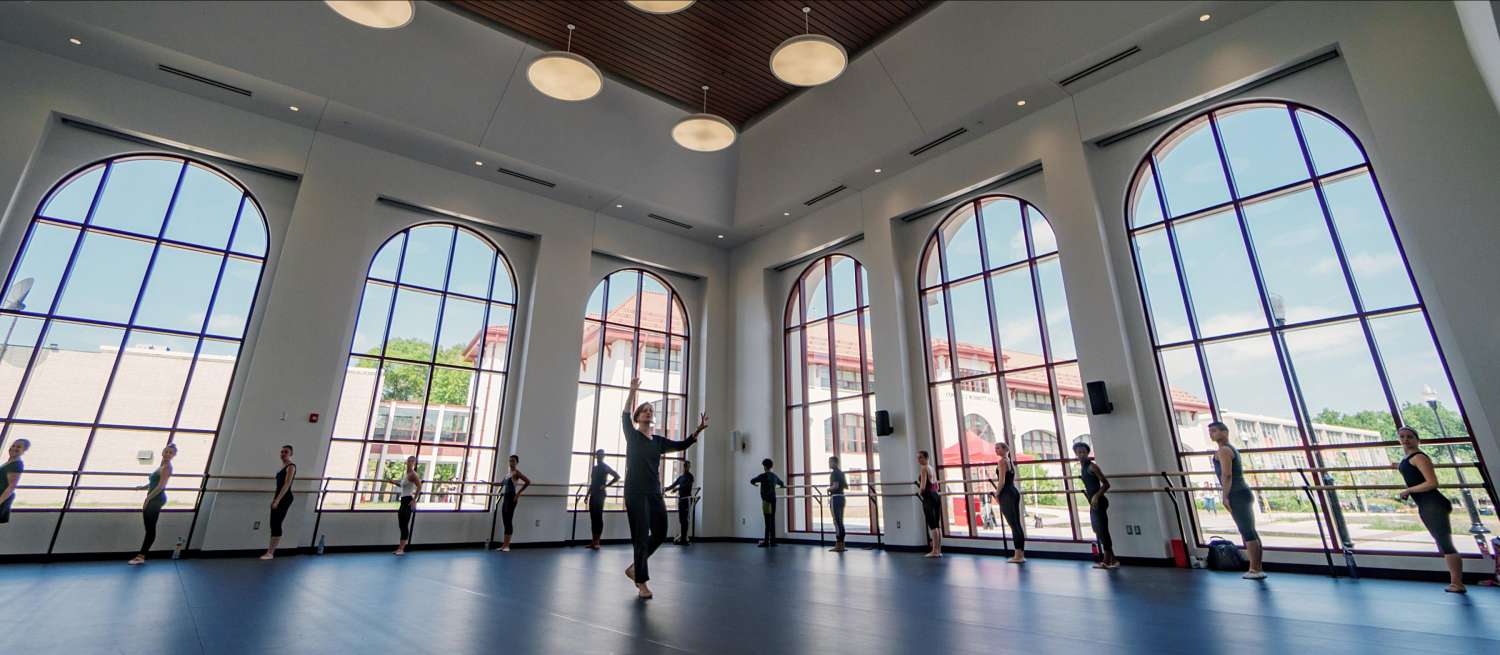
669, 221
824, 195
939, 141
522, 176
203, 80
1099, 66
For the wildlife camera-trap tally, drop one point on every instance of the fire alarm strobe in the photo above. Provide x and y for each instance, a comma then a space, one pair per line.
312, 418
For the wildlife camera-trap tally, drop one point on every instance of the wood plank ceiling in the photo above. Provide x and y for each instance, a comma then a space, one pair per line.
725, 44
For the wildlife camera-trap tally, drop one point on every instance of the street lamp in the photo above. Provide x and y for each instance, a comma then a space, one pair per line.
1476, 527
15, 302
1335, 510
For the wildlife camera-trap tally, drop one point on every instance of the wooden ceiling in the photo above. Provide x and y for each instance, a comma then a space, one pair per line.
725, 44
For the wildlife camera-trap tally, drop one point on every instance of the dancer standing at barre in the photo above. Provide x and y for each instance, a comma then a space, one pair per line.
156, 498
10, 477
837, 484
1095, 485
510, 497
644, 506
683, 485
1009, 497
1237, 496
411, 487
768, 481
599, 480
281, 502
1432, 506
932, 504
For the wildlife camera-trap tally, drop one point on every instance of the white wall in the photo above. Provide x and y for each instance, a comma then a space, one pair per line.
1421, 110
323, 235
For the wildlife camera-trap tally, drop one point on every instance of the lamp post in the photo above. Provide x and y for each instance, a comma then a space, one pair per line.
15, 303
1335, 510
1476, 527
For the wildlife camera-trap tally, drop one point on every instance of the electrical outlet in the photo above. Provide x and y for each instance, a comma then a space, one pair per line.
898, 525
742, 520
256, 526
538, 523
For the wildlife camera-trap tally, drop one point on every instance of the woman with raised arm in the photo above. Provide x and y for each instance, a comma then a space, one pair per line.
1237, 496
1009, 497
510, 496
411, 487
600, 480
1095, 485
1432, 506
10, 477
932, 504
281, 502
644, 505
156, 498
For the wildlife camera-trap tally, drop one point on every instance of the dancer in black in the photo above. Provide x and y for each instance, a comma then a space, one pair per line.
510, 496
281, 502
644, 506
1237, 496
156, 498
599, 479
932, 504
10, 477
1009, 497
683, 485
1432, 506
1095, 485
411, 487
768, 481
837, 484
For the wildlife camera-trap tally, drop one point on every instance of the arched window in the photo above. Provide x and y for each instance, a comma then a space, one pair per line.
634, 326
426, 373
830, 372
1280, 302
123, 319
1000, 348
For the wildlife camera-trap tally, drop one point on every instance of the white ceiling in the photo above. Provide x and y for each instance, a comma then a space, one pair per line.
448, 90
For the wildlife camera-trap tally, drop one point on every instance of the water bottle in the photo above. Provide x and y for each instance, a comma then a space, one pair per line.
322, 542
177, 550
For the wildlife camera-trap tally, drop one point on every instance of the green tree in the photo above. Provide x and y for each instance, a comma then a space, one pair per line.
1025, 471
406, 381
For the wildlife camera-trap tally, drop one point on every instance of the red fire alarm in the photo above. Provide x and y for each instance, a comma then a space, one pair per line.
312, 418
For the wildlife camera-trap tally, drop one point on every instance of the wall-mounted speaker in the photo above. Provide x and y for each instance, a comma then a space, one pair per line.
883, 424
1099, 398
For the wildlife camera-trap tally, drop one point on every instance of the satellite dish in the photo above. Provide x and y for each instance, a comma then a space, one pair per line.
16, 299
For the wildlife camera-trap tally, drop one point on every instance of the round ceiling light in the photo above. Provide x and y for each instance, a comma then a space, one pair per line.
704, 132
660, 6
808, 59
379, 14
563, 75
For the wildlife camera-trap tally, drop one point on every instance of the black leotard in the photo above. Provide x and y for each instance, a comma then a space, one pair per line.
1098, 512
1432, 506
1010, 505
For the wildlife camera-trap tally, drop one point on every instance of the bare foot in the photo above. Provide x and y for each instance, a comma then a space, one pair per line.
137, 560
630, 572
645, 591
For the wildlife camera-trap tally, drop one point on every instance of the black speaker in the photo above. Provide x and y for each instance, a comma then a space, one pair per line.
883, 423
1099, 398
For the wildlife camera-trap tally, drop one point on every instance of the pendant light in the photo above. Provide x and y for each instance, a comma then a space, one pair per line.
660, 6
563, 75
704, 132
808, 59
379, 14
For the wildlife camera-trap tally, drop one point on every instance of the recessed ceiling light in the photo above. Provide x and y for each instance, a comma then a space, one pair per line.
379, 14
721, 236
1204, 18
786, 213
660, 6
478, 163
619, 206
1020, 103
74, 40
877, 170
294, 108
808, 59
563, 75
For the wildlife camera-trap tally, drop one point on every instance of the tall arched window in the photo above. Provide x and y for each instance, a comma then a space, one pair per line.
634, 326
1280, 303
426, 373
123, 319
1000, 349
830, 305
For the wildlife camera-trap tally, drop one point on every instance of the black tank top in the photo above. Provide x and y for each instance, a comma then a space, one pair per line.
1009, 484
1413, 477
281, 481
1090, 481
508, 488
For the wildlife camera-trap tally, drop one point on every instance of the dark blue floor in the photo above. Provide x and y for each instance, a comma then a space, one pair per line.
719, 599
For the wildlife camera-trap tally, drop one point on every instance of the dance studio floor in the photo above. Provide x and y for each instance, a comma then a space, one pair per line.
718, 599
